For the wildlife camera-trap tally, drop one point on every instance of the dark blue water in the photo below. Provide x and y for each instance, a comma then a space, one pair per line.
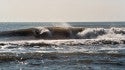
19, 25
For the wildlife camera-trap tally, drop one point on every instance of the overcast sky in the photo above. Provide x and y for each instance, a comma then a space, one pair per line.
61, 10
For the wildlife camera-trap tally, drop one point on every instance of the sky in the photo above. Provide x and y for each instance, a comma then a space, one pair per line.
61, 10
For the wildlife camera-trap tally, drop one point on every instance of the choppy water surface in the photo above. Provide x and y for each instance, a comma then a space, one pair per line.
65, 46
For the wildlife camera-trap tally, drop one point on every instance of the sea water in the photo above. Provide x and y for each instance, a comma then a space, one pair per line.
99, 46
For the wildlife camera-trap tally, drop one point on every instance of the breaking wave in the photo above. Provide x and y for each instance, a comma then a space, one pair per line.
66, 33
64, 36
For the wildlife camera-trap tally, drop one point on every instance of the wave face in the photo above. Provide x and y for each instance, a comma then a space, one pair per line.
45, 32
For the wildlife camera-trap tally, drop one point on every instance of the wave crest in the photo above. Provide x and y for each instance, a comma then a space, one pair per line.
90, 33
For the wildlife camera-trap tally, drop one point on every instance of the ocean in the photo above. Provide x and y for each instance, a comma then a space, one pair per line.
62, 45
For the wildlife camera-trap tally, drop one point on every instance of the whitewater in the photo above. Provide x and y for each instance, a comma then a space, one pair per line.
62, 46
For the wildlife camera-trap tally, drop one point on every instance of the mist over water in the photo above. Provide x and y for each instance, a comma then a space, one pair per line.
62, 46
61, 24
